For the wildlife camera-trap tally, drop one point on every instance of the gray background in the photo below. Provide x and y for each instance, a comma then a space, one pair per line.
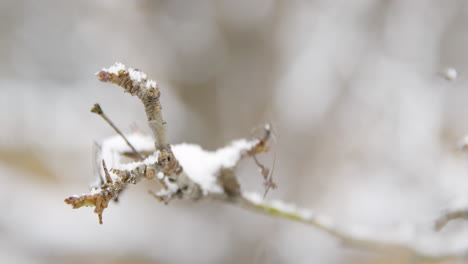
366, 127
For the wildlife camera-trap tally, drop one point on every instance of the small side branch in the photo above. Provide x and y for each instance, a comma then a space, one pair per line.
267, 175
98, 110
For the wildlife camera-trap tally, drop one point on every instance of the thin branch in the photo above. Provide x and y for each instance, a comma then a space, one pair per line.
254, 202
98, 110
263, 146
106, 172
269, 181
289, 211
267, 174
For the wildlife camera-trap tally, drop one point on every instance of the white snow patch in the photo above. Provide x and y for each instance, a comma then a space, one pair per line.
116, 68
151, 84
450, 74
284, 207
203, 167
164, 193
172, 188
133, 165
253, 197
113, 147
200, 166
95, 191
279, 205
160, 175
136, 75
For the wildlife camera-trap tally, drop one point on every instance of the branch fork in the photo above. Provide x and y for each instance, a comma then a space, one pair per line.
183, 171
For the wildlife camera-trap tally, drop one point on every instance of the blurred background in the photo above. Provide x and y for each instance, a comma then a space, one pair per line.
367, 127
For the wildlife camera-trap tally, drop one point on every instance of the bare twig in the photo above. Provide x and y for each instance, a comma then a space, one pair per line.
98, 110
106, 172
267, 175
97, 164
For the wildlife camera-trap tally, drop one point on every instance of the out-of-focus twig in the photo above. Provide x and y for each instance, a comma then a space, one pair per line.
267, 174
372, 242
449, 216
98, 110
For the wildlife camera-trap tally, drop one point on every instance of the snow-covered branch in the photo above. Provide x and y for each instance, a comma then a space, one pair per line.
205, 174
136, 83
186, 171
